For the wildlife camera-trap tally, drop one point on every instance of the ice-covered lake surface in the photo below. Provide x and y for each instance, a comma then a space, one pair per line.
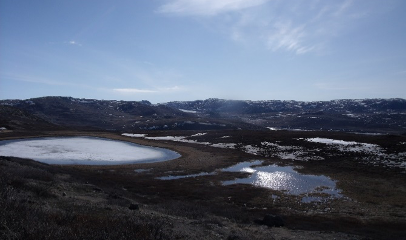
84, 151
282, 178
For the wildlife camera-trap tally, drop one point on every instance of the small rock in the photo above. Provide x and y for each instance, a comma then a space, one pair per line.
64, 194
96, 189
233, 237
134, 206
271, 221
115, 196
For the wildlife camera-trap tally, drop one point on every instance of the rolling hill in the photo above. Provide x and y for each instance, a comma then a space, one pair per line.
365, 115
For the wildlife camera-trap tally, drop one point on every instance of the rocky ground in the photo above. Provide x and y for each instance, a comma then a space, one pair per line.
40, 201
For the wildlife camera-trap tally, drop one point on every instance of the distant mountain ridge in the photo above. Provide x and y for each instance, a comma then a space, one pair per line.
363, 115
104, 114
255, 107
359, 115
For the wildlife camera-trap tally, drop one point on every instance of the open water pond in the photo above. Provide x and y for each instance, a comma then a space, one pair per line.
282, 179
170, 177
84, 151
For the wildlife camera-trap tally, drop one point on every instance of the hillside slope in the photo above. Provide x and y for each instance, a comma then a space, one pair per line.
111, 115
367, 115
376, 115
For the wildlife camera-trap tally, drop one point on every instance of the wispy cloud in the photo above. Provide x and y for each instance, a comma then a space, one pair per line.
299, 27
137, 90
133, 90
42, 80
343, 7
292, 26
288, 37
72, 42
207, 7
33, 79
172, 89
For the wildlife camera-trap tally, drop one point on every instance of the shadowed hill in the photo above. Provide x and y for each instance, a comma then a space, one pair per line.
376, 115
111, 114
367, 115
13, 118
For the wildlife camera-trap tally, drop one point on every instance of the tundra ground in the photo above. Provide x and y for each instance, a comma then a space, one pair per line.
41, 201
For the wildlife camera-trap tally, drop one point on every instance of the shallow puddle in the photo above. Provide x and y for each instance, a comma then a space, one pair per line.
170, 177
282, 179
142, 170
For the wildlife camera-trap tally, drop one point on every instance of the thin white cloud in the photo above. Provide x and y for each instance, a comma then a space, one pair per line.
133, 90
292, 26
207, 7
33, 79
72, 42
302, 27
343, 7
42, 80
137, 90
286, 36
171, 89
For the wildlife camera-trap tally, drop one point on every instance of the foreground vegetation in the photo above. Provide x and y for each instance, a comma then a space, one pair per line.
40, 201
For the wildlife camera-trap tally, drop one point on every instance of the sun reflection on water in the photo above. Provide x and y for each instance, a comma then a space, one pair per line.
282, 179
275, 180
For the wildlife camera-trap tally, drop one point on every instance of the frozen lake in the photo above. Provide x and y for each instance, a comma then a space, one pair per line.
84, 151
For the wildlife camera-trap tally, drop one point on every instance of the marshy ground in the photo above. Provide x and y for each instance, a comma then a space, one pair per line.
41, 201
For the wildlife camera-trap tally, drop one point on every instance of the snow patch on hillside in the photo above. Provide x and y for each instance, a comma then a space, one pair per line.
348, 146
370, 153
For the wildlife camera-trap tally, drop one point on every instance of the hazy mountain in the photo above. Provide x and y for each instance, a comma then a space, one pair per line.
375, 115
378, 115
254, 107
107, 114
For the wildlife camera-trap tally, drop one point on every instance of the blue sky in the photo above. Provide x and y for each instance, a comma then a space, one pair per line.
166, 50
